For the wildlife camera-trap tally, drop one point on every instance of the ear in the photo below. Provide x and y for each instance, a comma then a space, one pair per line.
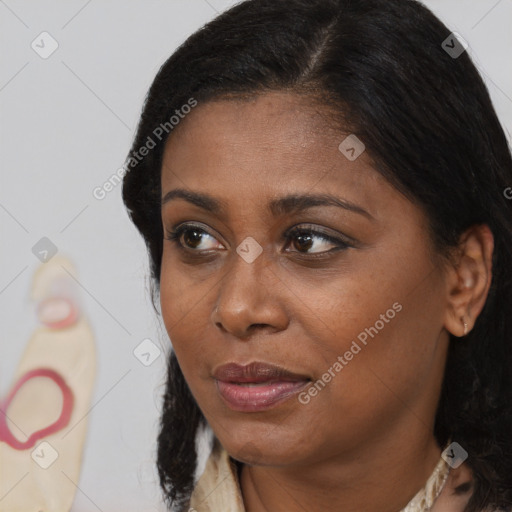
469, 279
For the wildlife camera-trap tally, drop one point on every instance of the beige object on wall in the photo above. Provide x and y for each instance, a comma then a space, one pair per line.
44, 476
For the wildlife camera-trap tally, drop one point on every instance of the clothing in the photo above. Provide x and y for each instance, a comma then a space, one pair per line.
218, 489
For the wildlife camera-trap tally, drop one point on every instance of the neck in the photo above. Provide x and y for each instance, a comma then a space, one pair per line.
379, 477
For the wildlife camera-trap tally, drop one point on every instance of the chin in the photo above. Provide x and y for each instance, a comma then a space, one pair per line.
262, 451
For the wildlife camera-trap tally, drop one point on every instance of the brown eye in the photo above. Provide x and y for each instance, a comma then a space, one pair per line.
190, 237
304, 240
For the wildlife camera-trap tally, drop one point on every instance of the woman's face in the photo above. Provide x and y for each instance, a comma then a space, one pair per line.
353, 302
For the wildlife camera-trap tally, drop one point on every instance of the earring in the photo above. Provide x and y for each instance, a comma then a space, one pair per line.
463, 320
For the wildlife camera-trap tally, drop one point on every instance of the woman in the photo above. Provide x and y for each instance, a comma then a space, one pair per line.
320, 185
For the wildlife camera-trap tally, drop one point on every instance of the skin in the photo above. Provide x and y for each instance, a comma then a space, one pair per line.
365, 442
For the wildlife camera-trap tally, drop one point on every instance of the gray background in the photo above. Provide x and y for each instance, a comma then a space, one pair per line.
66, 124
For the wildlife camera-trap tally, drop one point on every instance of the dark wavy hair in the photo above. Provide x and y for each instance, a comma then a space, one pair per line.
428, 123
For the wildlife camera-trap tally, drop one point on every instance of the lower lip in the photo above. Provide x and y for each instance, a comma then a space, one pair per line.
258, 397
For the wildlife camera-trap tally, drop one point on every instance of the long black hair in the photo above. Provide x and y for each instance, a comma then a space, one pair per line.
426, 119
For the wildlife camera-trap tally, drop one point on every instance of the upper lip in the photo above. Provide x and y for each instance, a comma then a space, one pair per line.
255, 372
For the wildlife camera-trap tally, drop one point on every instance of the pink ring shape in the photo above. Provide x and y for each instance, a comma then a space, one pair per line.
65, 415
49, 314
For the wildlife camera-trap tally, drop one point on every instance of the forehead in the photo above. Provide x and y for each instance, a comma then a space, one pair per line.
278, 122
273, 142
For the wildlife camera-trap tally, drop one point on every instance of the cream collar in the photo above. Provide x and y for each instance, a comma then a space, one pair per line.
218, 489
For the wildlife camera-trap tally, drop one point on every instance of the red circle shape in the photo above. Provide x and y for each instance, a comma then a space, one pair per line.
65, 415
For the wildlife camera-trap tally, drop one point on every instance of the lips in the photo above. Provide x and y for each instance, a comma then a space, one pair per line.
255, 372
257, 386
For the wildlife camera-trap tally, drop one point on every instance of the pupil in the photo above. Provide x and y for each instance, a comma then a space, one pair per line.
304, 242
193, 240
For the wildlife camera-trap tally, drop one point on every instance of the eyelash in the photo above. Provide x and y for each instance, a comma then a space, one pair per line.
342, 243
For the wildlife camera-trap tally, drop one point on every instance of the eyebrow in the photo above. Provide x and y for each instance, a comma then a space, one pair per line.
292, 203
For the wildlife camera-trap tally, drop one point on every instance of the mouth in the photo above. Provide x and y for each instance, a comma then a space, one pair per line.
257, 386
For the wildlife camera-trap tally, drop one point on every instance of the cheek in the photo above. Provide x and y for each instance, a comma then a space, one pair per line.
180, 308
386, 368
182, 297
186, 305
336, 310
384, 322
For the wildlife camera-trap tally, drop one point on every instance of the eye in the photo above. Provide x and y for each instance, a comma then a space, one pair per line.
190, 237
307, 240
310, 240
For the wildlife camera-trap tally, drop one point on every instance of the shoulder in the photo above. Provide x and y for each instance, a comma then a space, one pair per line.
457, 491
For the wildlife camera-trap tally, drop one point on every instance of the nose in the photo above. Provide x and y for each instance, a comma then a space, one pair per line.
250, 299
